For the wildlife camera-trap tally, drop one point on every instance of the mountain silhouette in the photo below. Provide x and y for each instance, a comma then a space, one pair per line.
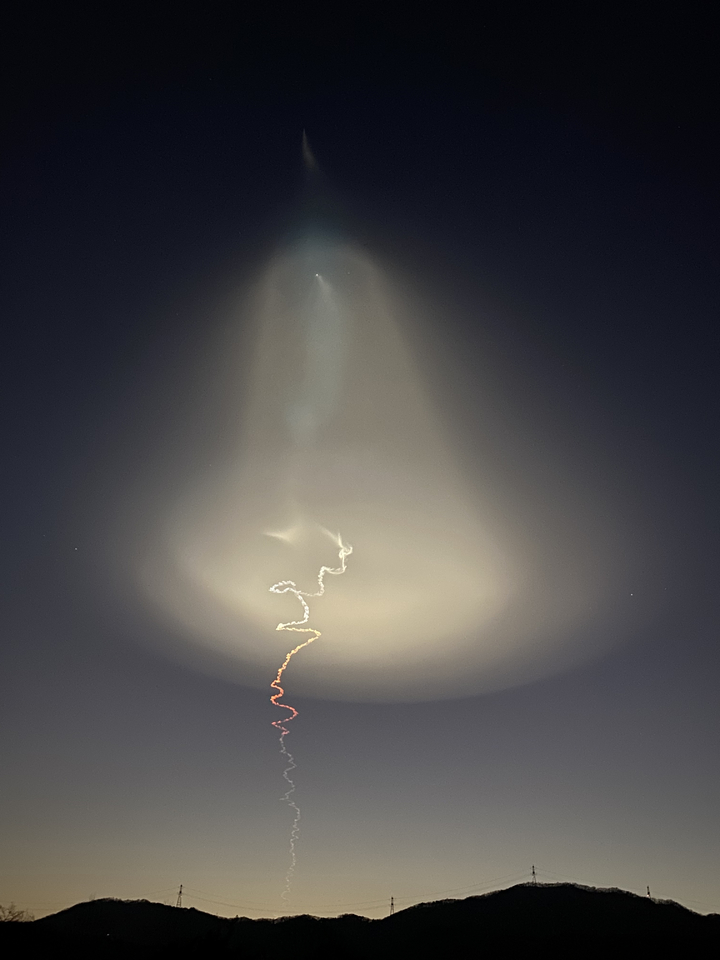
567, 919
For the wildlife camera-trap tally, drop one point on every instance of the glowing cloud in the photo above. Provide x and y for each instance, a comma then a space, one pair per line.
455, 589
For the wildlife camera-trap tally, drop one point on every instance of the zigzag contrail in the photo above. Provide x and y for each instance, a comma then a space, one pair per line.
298, 626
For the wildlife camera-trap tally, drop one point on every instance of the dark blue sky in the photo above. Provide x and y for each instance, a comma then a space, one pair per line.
549, 187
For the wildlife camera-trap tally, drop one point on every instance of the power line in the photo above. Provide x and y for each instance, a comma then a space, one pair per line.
375, 903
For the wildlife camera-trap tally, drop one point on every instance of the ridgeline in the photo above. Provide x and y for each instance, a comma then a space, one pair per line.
567, 919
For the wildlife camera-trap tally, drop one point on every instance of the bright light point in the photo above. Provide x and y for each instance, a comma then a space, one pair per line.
457, 586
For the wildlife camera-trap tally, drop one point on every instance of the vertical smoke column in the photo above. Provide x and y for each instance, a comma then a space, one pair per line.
318, 361
298, 626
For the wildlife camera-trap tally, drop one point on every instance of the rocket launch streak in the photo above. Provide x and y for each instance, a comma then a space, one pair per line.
298, 626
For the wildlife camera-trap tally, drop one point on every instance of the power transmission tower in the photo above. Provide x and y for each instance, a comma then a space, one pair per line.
392, 905
179, 899
534, 877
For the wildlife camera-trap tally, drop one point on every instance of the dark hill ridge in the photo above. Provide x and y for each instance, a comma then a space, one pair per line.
570, 919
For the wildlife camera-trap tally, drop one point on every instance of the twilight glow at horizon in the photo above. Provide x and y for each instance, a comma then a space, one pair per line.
456, 587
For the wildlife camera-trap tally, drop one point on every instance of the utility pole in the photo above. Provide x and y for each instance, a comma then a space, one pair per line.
392, 905
179, 899
534, 877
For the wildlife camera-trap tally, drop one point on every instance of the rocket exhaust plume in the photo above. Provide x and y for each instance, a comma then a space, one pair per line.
308, 155
464, 580
298, 626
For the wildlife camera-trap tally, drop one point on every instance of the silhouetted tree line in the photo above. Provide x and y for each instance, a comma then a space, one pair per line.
13, 914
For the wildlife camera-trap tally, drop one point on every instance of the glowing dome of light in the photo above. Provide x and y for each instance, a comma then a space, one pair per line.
450, 591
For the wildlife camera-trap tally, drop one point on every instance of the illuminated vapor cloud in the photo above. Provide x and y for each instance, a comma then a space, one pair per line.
298, 626
461, 582
308, 156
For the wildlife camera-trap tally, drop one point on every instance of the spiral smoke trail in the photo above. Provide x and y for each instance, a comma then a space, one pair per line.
298, 626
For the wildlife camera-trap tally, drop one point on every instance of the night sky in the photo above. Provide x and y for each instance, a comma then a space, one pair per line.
538, 195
